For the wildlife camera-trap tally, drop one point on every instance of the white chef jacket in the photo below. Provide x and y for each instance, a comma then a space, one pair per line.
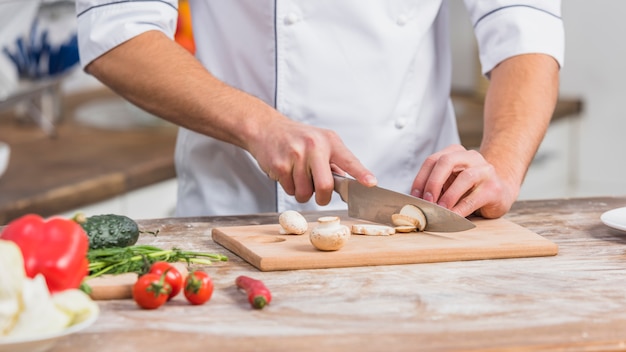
377, 72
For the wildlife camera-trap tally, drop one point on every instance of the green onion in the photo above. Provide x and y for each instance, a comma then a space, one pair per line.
139, 258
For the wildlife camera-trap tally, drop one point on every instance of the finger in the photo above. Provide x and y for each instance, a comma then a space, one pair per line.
446, 170
283, 175
478, 197
303, 182
468, 204
419, 183
462, 184
439, 175
323, 181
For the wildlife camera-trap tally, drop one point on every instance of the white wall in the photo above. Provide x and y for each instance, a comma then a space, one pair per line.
583, 156
595, 70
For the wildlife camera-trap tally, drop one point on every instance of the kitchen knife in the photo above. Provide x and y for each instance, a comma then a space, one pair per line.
378, 204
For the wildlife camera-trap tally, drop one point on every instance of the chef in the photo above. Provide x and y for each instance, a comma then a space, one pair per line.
282, 93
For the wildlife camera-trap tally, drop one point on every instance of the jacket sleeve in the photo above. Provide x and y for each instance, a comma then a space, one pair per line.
105, 24
507, 28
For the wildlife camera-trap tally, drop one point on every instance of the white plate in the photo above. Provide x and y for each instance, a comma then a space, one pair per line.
44, 342
615, 218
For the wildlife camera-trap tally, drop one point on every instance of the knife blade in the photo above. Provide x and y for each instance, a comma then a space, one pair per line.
378, 204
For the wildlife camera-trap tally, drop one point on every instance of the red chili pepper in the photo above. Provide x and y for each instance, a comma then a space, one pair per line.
56, 248
258, 295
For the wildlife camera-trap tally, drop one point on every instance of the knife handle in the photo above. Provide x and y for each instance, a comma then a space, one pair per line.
341, 186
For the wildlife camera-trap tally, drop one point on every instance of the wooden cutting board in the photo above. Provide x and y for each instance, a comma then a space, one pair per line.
119, 286
267, 250
112, 286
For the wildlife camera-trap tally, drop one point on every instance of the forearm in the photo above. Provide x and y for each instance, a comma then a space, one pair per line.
519, 104
158, 75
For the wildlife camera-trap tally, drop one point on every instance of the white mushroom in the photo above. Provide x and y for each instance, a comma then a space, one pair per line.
412, 212
403, 220
292, 223
329, 234
372, 230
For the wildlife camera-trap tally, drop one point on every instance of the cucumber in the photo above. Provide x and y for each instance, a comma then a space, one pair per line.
109, 230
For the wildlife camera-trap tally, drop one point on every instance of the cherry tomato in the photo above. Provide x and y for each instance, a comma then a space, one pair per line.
151, 291
198, 287
173, 276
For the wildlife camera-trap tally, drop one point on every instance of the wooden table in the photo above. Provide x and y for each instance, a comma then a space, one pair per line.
573, 301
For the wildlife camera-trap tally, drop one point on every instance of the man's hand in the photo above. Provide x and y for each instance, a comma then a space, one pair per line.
520, 101
463, 181
302, 159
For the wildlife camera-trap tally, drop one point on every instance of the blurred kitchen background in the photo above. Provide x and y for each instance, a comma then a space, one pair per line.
580, 156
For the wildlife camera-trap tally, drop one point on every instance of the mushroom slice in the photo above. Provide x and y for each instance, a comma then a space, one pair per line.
404, 220
416, 213
405, 229
372, 230
292, 223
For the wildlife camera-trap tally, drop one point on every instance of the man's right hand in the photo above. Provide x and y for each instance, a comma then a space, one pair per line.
302, 159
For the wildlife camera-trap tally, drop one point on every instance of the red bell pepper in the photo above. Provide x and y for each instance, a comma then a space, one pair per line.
56, 248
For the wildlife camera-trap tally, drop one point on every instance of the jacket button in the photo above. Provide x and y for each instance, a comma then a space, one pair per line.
401, 20
401, 122
291, 18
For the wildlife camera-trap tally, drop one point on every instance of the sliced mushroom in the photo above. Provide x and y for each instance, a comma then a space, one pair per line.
292, 223
405, 229
404, 220
372, 230
413, 212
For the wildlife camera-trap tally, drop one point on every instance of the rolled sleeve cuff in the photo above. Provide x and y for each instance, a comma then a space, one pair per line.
519, 30
105, 26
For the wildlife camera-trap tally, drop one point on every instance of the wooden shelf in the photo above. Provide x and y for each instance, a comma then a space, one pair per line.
80, 165
469, 110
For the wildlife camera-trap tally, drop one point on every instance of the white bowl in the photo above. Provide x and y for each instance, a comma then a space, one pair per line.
46, 342
5, 152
